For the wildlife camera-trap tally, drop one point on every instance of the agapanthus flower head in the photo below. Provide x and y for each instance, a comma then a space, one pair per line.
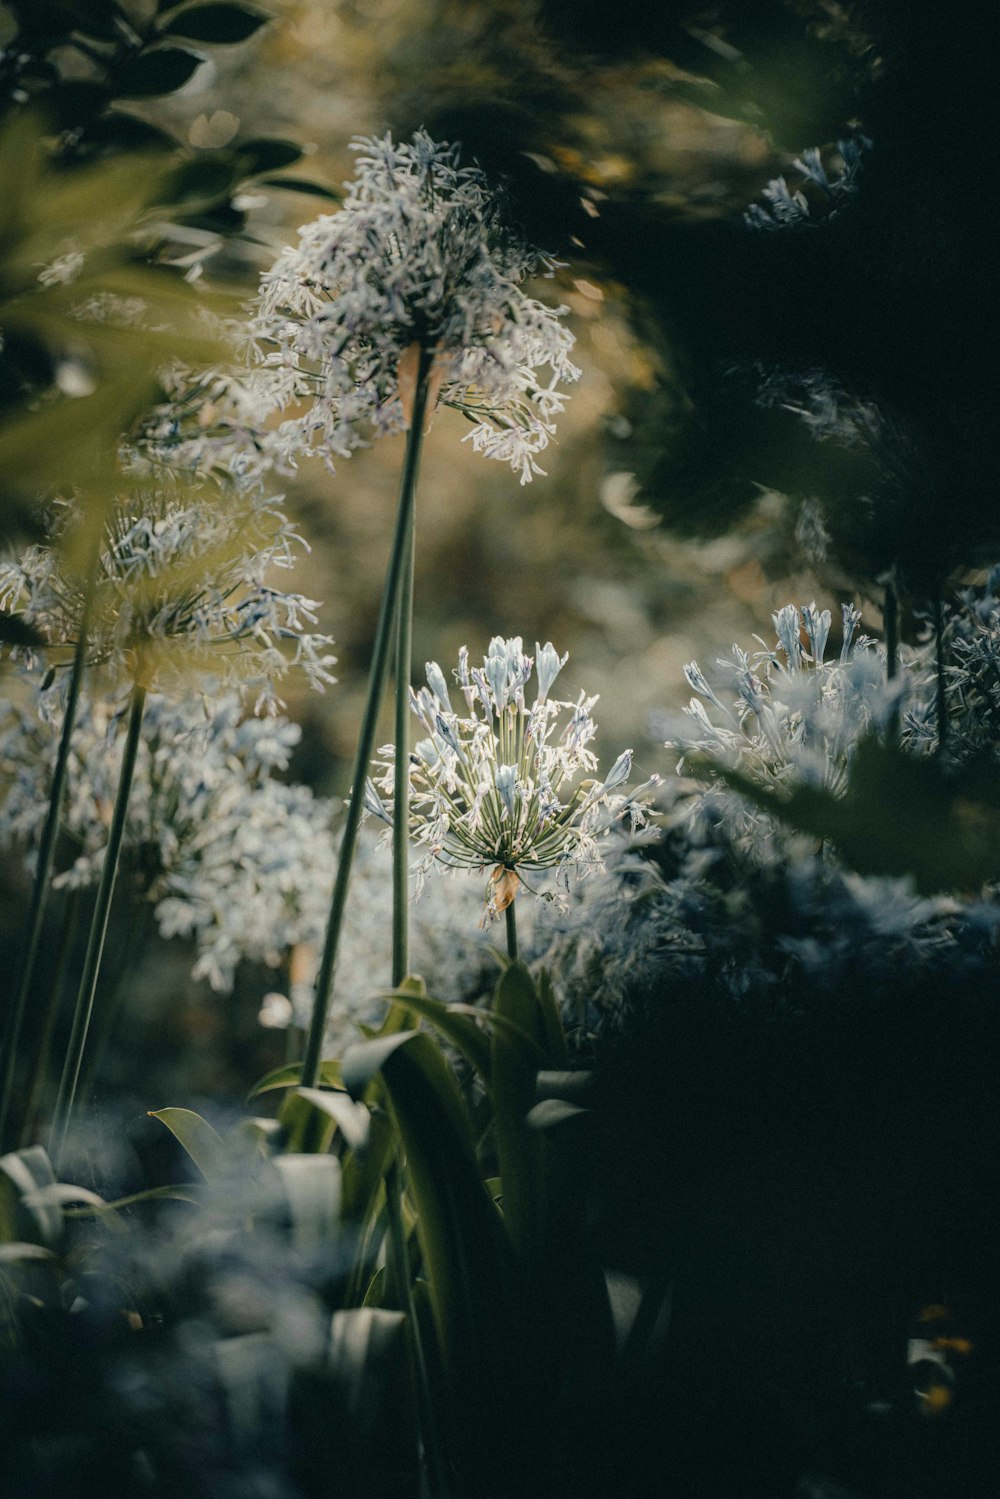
419, 257
228, 856
506, 785
181, 585
786, 714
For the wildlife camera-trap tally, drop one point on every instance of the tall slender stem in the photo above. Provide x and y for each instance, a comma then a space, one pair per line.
511, 920
43, 1052
66, 1097
43, 868
939, 661
384, 635
890, 619
401, 774
398, 1264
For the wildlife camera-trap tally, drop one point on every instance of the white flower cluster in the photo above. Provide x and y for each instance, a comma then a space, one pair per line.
419, 256
792, 716
180, 586
232, 859
972, 640
496, 785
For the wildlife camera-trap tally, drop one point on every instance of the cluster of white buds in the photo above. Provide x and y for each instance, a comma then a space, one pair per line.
180, 586
419, 257
505, 786
787, 715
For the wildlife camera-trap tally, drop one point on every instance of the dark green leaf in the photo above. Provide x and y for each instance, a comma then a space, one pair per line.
203, 178
515, 1062
159, 71
267, 154
457, 1023
552, 1112
219, 23
303, 185
22, 1174
289, 1075
351, 1118
899, 815
15, 630
461, 1237
124, 132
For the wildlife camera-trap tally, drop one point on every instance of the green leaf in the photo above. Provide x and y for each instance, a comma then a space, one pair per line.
312, 1186
515, 1067
219, 23
352, 1119
267, 154
202, 1143
161, 70
364, 1169
202, 179
23, 1173
304, 185
552, 1025
289, 1075
150, 1194
15, 630
464, 1250
12, 1254
457, 1023
552, 1112
358, 1411
305, 1130
899, 815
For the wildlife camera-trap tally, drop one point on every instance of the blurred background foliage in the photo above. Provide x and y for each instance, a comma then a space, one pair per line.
765, 415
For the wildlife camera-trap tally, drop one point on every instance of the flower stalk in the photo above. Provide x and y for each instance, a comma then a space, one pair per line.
69, 1082
386, 633
511, 921
43, 867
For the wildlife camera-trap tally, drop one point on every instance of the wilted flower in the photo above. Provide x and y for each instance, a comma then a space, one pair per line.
420, 256
180, 586
507, 785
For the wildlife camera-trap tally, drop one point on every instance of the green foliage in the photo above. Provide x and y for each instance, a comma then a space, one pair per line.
900, 815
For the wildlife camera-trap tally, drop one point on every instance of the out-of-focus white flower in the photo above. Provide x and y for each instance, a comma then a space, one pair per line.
507, 785
232, 859
419, 256
787, 715
180, 587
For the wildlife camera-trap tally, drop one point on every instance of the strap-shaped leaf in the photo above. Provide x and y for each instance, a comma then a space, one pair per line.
201, 1142
161, 70
219, 23
350, 1118
289, 1075
515, 1063
313, 1187
464, 1248
457, 1023
22, 1174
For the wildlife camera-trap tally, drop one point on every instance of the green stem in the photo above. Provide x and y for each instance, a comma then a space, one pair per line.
939, 661
66, 1097
43, 1057
384, 633
43, 868
401, 775
403, 1288
511, 920
890, 621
